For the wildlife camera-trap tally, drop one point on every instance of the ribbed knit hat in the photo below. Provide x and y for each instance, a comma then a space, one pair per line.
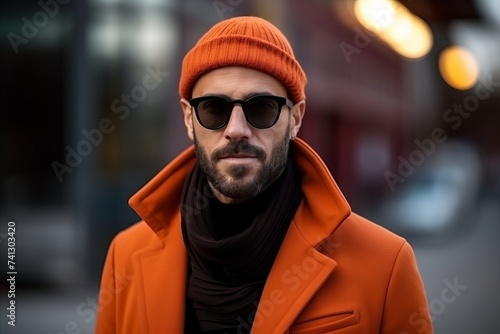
244, 41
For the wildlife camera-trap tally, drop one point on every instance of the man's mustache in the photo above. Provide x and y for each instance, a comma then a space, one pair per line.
238, 147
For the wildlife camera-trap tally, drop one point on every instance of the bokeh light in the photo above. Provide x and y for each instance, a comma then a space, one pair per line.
393, 23
458, 67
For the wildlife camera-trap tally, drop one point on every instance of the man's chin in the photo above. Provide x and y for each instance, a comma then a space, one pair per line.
239, 188
239, 173
238, 195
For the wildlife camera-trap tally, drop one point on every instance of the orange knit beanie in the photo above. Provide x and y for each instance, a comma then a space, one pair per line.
244, 41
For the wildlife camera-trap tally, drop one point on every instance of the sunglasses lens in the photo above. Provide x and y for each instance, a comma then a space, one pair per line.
214, 112
262, 112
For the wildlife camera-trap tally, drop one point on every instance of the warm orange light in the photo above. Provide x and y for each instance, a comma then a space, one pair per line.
406, 33
412, 38
458, 67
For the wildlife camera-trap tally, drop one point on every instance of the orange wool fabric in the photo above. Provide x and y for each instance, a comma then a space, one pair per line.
336, 272
244, 41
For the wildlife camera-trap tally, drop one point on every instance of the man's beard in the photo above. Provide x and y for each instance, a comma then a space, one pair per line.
234, 186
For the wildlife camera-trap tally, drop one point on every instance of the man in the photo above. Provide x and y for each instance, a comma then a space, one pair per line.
246, 231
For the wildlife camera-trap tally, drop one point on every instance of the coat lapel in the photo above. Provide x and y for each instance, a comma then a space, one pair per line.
162, 268
163, 277
300, 269
298, 272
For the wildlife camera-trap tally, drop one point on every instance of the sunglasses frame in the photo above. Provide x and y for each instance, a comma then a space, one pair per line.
282, 101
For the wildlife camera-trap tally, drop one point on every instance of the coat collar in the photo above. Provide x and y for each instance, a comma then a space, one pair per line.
157, 203
161, 284
324, 207
299, 269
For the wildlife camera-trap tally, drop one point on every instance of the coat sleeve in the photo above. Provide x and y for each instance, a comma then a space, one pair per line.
106, 315
406, 310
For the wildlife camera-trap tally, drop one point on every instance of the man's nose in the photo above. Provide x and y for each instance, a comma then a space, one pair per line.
237, 127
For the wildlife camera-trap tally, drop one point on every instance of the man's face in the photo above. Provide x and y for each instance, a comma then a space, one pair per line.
239, 160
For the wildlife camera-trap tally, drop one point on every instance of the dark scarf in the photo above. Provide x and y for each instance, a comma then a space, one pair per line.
228, 271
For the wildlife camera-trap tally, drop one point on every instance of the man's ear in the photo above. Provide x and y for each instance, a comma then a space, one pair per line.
188, 117
297, 113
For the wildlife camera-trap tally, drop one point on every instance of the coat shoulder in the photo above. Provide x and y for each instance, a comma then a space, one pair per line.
135, 238
360, 236
366, 231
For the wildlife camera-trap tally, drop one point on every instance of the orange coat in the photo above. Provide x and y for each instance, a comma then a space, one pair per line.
336, 272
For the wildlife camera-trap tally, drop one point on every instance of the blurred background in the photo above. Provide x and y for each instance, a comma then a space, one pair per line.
403, 104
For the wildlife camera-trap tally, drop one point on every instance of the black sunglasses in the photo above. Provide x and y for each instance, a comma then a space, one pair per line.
261, 111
